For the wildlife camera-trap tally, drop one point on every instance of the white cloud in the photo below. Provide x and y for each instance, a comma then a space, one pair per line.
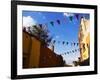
28, 21
68, 14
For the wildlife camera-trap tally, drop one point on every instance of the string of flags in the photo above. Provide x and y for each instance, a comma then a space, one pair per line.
70, 17
69, 43
59, 21
84, 45
72, 51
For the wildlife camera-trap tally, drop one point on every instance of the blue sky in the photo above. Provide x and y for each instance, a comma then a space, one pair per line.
66, 31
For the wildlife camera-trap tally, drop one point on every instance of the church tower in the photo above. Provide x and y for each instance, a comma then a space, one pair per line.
84, 39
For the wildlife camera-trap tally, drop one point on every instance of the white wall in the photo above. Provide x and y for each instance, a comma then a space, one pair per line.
5, 41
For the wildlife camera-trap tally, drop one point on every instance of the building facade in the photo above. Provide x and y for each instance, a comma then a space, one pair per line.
84, 40
35, 55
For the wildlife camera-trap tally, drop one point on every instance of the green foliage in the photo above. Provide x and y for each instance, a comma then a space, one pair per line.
41, 32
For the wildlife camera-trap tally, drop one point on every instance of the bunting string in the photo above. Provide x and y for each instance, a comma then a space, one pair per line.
72, 51
69, 43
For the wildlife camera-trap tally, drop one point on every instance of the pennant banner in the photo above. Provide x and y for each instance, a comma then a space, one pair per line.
58, 21
71, 43
71, 18
73, 51
52, 23
77, 16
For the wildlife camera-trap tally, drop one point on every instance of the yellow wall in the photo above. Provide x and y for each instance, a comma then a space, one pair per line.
31, 51
32, 57
34, 54
26, 49
26, 43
